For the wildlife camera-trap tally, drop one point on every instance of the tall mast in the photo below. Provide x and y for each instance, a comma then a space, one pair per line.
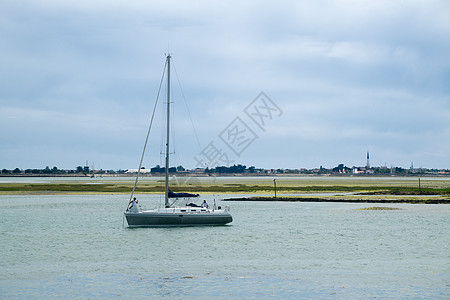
166, 196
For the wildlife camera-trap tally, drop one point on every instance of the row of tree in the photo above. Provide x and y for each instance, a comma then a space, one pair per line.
48, 171
235, 169
341, 168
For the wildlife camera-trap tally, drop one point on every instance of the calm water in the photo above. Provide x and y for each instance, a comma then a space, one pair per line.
77, 247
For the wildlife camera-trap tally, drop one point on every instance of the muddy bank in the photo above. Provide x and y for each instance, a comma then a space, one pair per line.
321, 199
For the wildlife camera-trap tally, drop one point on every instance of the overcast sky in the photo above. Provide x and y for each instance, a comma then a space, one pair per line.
79, 78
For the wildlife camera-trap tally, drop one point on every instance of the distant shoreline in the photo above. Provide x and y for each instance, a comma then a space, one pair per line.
225, 175
319, 199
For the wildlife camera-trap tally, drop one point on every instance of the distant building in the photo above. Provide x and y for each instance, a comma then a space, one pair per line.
368, 162
143, 171
356, 171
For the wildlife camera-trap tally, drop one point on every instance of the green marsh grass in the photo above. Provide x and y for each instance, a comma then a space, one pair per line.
383, 189
378, 208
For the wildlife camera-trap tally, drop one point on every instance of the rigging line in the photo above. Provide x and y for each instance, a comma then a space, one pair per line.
210, 178
187, 108
174, 142
148, 133
163, 117
163, 142
173, 131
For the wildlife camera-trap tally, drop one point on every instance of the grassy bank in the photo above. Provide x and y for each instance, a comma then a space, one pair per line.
378, 208
224, 188
349, 199
380, 190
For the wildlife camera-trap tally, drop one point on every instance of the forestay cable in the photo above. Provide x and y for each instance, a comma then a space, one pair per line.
148, 134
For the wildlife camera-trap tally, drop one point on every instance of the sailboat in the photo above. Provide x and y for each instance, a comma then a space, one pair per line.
172, 215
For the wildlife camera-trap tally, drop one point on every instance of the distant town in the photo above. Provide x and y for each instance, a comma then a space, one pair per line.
339, 170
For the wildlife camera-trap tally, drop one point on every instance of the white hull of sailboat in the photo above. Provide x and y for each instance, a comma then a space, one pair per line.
178, 216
